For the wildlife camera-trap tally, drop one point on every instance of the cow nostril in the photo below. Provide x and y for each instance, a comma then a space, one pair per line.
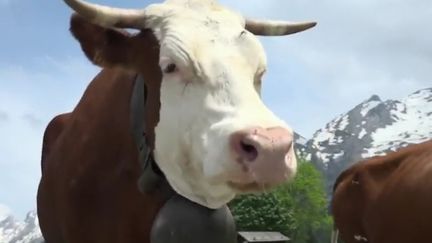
250, 152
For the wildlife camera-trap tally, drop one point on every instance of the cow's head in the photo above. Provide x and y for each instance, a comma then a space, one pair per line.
214, 137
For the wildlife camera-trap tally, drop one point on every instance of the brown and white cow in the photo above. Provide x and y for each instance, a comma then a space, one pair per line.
387, 198
209, 131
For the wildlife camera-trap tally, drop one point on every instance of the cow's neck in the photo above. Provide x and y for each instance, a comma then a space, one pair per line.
152, 178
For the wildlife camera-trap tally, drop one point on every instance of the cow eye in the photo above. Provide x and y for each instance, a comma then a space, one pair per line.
170, 68
259, 76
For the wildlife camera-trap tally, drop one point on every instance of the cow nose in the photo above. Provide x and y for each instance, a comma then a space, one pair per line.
267, 152
252, 143
247, 147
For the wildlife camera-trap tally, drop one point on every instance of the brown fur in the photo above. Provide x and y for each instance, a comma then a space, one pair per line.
387, 198
88, 191
52, 132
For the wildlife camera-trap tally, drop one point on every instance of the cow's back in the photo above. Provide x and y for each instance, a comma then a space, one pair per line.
402, 210
88, 190
52, 132
387, 198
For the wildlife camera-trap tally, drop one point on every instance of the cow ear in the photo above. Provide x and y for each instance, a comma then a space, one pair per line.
104, 47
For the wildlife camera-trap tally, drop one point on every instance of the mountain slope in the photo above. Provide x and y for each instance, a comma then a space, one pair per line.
373, 127
14, 231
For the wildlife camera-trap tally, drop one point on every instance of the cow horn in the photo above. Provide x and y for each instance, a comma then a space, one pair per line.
109, 16
276, 28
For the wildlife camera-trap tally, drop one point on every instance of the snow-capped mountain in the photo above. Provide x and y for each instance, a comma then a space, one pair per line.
14, 231
373, 127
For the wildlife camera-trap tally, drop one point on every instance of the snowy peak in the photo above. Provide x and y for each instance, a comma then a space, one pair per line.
423, 94
335, 140
14, 231
31, 218
412, 124
9, 227
419, 104
369, 104
374, 127
374, 98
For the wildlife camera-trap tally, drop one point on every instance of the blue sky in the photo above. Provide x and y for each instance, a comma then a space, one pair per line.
359, 48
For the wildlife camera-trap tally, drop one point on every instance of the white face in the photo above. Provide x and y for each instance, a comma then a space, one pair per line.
210, 90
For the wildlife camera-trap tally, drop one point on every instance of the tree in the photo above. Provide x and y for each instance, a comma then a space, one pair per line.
297, 209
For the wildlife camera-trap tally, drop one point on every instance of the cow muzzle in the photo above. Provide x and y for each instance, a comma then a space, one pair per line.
265, 155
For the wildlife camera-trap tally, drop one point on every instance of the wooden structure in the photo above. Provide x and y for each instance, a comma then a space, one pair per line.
261, 237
